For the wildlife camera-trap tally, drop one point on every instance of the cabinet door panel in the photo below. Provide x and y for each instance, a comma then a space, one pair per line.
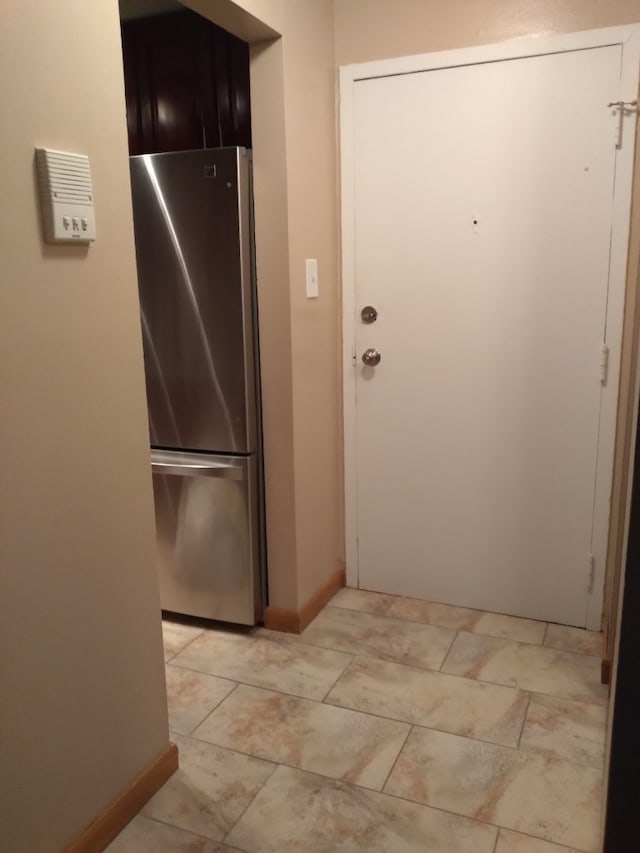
187, 84
239, 99
132, 94
171, 97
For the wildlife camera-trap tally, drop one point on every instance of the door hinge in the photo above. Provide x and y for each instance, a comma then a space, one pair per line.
591, 572
354, 356
624, 108
604, 364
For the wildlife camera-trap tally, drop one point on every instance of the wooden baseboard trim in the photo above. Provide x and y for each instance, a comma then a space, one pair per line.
605, 672
321, 596
282, 620
102, 831
295, 621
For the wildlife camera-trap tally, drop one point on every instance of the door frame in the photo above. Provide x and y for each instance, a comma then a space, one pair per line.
628, 37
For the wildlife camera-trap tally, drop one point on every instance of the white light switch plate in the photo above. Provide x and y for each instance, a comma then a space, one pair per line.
312, 278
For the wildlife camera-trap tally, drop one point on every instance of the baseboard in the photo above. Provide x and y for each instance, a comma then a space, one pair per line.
295, 621
321, 596
102, 831
282, 620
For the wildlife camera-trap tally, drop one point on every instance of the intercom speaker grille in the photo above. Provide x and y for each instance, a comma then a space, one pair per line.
65, 177
66, 195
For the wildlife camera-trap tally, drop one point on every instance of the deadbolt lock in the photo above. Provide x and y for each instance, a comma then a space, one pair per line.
369, 314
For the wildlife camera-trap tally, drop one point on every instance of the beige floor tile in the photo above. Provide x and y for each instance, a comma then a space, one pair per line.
431, 613
510, 628
513, 842
144, 835
378, 636
265, 659
555, 800
534, 668
574, 640
176, 636
561, 728
297, 811
309, 735
210, 791
191, 696
463, 619
361, 599
432, 699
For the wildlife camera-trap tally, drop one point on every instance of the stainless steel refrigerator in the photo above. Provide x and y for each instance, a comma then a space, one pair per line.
192, 219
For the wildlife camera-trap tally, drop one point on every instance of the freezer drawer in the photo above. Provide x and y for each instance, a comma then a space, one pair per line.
207, 535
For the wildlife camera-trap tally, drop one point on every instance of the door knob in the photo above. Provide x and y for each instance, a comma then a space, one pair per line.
371, 357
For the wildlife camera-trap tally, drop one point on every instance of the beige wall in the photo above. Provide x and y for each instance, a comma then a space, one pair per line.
293, 120
312, 326
83, 709
377, 29
315, 331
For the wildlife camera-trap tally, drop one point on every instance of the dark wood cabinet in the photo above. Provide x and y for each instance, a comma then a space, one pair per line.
186, 83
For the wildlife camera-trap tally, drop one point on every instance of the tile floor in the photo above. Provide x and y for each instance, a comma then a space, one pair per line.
389, 725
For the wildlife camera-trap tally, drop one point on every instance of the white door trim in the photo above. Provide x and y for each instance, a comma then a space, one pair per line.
629, 38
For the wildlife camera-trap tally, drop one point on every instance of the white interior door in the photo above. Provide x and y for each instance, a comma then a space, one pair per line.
482, 208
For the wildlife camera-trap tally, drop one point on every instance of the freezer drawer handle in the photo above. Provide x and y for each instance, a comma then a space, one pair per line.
229, 472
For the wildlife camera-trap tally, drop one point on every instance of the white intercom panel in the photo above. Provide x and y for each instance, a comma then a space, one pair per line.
66, 196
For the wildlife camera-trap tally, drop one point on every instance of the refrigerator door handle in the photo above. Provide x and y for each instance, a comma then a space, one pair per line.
195, 469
